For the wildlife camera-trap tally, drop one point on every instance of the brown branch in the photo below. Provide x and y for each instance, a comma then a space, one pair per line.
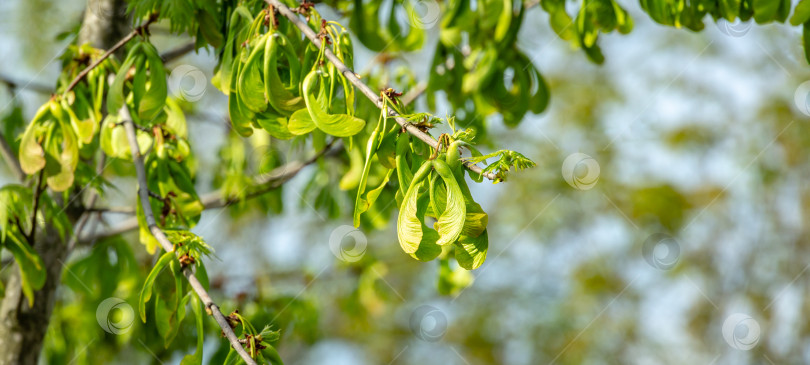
272, 181
168, 246
110, 51
365, 89
83, 219
30, 85
214, 199
116, 210
125, 226
91, 204
176, 53
414, 93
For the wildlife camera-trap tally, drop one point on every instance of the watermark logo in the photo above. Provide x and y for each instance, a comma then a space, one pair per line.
188, 83
802, 98
115, 315
580, 171
428, 323
741, 331
425, 14
735, 29
338, 247
661, 251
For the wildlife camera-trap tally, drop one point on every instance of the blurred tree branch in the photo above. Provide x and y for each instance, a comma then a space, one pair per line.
158, 234
212, 200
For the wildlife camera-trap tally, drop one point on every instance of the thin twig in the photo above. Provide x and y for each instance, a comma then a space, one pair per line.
20, 226
5, 149
77, 231
115, 210
125, 226
85, 217
34, 86
176, 53
155, 195
168, 246
271, 181
365, 89
37, 195
214, 199
414, 93
109, 52
11, 158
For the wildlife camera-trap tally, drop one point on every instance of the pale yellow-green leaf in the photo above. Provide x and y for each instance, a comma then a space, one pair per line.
32, 156
472, 251
339, 125
84, 129
351, 179
155, 97
451, 221
250, 84
476, 220
368, 199
301, 123
410, 226
175, 119
67, 151
278, 96
277, 126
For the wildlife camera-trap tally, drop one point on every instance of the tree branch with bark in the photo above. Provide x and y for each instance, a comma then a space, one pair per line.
143, 193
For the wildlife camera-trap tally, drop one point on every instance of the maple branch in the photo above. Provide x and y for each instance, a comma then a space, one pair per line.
119, 210
365, 89
210, 306
37, 87
272, 180
176, 53
125, 226
414, 93
110, 51
91, 204
23, 85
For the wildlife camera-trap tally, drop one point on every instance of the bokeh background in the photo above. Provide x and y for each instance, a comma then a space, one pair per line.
665, 221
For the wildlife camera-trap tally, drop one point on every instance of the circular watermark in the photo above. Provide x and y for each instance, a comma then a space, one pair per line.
580, 171
425, 14
736, 29
115, 315
339, 236
188, 83
661, 251
802, 98
428, 323
741, 331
